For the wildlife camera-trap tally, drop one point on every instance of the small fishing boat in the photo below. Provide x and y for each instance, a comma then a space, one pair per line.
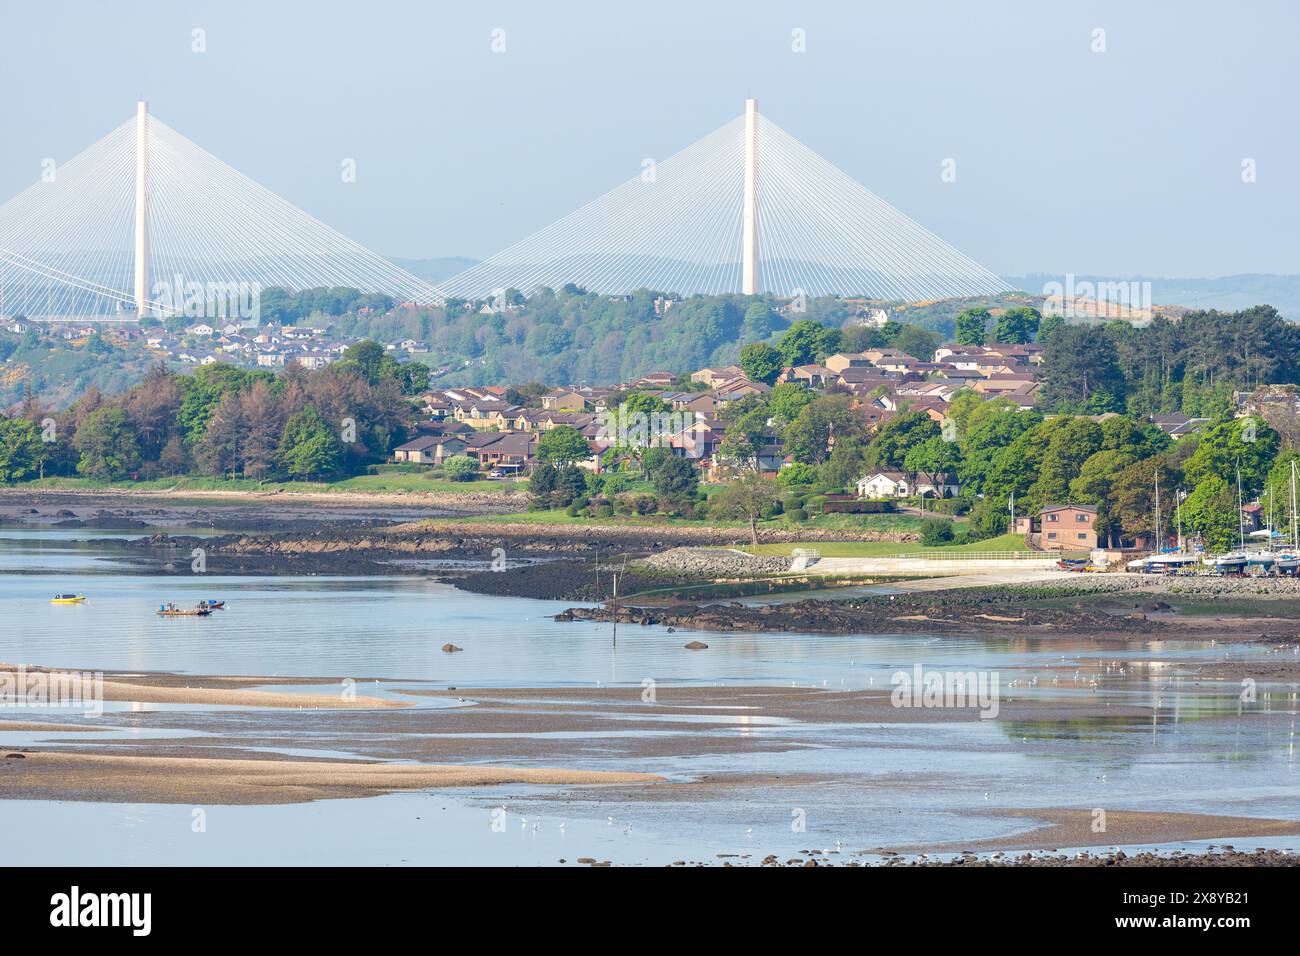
212, 605
171, 610
67, 599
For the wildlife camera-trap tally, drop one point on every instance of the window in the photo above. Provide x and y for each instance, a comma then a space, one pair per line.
1053, 517
1083, 536
1080, 518
1051, 536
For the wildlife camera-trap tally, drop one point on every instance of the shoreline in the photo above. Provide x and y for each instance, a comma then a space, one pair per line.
254, 755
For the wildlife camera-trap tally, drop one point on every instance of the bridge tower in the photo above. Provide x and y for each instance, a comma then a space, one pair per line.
749, 225
141, 209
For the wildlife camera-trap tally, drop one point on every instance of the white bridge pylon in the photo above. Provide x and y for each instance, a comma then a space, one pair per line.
747, 208
111, 232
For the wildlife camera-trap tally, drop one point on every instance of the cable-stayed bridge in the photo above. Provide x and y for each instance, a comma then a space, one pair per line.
130, 226
112, 232
747, 208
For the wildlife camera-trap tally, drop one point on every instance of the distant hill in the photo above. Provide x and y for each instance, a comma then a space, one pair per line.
435, 270
1227, 294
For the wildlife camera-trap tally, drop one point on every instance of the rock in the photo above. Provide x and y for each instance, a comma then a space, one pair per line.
587, 859
696, 646
451, 648
15, 756
715, 563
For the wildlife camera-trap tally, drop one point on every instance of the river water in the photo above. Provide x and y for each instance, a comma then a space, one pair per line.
1198, 750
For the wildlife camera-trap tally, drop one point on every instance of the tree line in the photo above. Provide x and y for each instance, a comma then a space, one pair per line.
222, 421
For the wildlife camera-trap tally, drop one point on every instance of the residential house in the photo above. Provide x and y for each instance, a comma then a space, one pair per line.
810, 376
841, 360
430, 449
565, 400
509, 452
656, 380
1068, 527
1178, 425
884, 484
712, 377
935, 484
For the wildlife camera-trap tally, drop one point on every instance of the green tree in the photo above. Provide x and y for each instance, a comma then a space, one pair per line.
562, 445
1017, 326
461, 468
1248, 443
935, 454
990, 517
936, 532
897, 437
107, 445
675, 480
759, 322
541, 484
570, 485
916, 341
1081, 371
1131, 508
761, 362
847, 463
20, 449
746, 499
1070, 442
787, 400
1048, 325
1277, 490
972, 327
809, 437
1211, 511
796, 473
308, 448
803, 342
369, 357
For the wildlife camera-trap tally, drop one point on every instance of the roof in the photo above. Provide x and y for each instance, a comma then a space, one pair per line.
1091, 509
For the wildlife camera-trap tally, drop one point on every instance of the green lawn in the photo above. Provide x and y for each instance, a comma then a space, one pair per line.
882, 549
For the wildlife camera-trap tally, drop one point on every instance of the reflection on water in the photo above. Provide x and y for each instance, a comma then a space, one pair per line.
1195, 747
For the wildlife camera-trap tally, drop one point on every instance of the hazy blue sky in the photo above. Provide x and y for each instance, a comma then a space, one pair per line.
1123, 162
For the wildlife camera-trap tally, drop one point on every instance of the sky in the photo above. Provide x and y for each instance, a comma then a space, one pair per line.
1125, 160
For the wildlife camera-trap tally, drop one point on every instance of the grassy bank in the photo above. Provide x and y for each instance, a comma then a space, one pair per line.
1004, 544
387, 483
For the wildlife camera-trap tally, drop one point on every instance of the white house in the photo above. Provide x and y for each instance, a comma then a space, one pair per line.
884, 484
898, 484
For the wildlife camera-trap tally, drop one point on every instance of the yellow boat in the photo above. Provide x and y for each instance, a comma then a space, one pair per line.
67, 599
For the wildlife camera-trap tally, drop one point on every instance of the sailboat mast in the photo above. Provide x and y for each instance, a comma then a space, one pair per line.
1241, 518
1178, 513
1295, 539
1157, 479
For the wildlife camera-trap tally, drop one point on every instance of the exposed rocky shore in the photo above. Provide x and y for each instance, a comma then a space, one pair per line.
933, 612
1209, 586
714, 563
